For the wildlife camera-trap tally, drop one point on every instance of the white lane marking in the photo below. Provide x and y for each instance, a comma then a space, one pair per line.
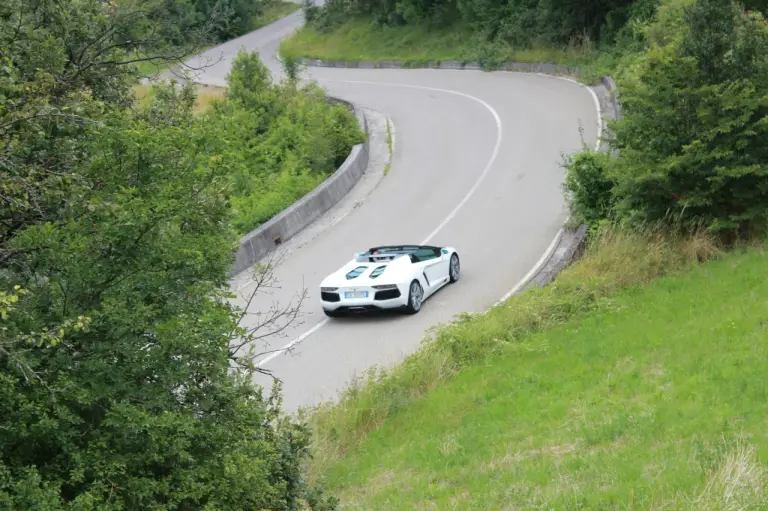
536, 267
488, 166
447, 219
547, 254
293, 342
592, 92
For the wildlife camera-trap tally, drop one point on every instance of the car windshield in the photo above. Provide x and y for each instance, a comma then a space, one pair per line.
389, 253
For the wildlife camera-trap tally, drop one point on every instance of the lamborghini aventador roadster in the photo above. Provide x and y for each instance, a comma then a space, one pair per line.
389, 277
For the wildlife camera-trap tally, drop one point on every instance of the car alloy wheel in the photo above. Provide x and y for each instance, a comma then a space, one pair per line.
455, 268
417, 296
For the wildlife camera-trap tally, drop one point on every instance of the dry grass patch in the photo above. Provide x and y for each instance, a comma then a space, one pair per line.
205, 96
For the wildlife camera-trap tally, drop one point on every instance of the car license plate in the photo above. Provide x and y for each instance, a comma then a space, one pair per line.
356, 294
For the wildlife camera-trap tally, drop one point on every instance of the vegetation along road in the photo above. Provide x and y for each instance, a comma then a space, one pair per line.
476, 166
637, 379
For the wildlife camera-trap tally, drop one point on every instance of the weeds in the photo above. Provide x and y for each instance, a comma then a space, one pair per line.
738, 484
389, 145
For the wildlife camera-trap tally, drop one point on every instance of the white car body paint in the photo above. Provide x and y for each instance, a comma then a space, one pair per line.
383, 279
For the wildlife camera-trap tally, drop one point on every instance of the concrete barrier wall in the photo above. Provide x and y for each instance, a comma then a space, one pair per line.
613, 92
525, 67
282, 227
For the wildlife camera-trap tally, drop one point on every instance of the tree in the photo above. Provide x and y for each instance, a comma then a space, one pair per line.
281, 139
135, 403
123, 382
691, 141
67, 68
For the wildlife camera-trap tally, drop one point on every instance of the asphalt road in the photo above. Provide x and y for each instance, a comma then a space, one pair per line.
476, 166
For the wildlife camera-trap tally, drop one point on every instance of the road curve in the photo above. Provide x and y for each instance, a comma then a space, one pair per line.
476, 166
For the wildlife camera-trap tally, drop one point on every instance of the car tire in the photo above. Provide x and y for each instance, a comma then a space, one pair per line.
415, 298
454, 273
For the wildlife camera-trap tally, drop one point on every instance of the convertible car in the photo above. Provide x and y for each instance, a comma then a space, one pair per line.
389, 277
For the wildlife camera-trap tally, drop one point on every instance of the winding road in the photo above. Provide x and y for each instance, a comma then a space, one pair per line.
476, 165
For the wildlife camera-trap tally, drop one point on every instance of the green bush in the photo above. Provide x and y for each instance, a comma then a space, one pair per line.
120, 385
691, 141
588, 186
280, 141
117, 388
690, 145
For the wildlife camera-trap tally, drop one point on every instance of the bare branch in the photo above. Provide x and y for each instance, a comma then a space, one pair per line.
272, 322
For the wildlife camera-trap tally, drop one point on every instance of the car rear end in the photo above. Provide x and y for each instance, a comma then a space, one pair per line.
362, 287
363, 298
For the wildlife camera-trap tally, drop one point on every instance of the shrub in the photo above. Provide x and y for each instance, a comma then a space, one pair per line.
280, 141
117, 387
588, 187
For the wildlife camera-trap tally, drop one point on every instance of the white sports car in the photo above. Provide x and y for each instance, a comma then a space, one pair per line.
389, 277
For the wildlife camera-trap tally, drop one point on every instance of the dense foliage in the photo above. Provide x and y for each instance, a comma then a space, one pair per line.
280, 140
226, 19
121, 387
690, 145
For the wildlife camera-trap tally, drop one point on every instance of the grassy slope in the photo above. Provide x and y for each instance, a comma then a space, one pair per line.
626, 396
358, 40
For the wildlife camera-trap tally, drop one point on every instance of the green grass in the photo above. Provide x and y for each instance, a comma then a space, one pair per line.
147, 68
359, 40
631, 406
632, 382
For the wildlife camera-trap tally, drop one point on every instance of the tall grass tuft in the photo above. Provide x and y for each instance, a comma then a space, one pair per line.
737, 484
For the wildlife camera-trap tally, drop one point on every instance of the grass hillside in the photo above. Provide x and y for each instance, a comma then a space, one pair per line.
614, 389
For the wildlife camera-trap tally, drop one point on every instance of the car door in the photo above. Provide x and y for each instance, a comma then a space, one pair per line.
431, 262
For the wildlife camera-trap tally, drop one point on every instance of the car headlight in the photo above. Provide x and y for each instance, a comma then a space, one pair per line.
328, 288
386, 286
